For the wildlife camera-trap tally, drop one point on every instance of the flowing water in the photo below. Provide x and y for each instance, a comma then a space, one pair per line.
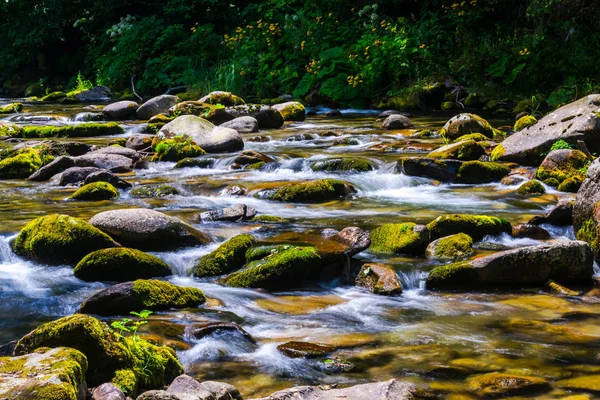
433, 339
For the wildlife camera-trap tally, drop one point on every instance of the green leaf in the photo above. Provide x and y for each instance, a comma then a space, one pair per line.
303, 86
329, 54
498, 69
337, 89
513, 73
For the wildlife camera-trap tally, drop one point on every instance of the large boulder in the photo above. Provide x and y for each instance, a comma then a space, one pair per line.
396, 121
148, 229
59, 239
214, 114
476, 226
379, 279
156, 105
311, 191
228, 257
112, 162
465, 150
575, 121
95, 95
563, 261
120, 265
212, 139
481, 172
441, 170
245, 124
563, 164
141, 294
464, 124
120, 110
227, 99
57, 374
291, 110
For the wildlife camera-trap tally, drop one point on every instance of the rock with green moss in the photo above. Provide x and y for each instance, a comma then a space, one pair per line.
481, 172
305, 349
451, 247
57, 374
449, 105
585, 383
120, 265
464, 124
586, 209
211, 138
474, 100
441, 170
228, 257
347, 164
225, 98
570, 261
552, 182
405, 238
59, 239
251, 157
379, 279
478, 137
291, 111
96, 191
156, 123
8, 129
465, 150
198, 162
213, 113
525, 122
154, 190
131, 364
279, 270
500, 384
22, 163
54, 97
176, 149
563, 164
476, 226
141, 294
11, 108
259, 252
531, 187
571, 184
88, 129
269, 219
311, 192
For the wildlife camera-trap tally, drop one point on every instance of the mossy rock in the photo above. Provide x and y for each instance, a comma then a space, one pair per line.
312, 191
305, 349
142, 294
277, 271
465, 124
499, 384
478, 137
481, 172
552, 182
89, 129
525, 122
120, 265
449, 105
405, 238
52, 374
474, 100
96, 191
563, 164
531, 187
460, 274
589, 233
291, 111
228, 257
465, 150
498, 152
60, 239
156, 123
176, 149
225, 98
269, 219
11, 108
10, 129
195, 163
20, 164
571, 184
451, 247
476, 226
349, 164
586, 383
157, 190
54, 96
257, 253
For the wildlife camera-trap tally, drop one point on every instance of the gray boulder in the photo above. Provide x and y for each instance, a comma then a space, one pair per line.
97, 94
148, 229
396, 121
108, 391
575, 121
379, 279
213, 139
58, 165
156, 105
74, 175
112, 162
441, 170
239, 212
560, 215
120, 110
109, 177
245, 124
118, 150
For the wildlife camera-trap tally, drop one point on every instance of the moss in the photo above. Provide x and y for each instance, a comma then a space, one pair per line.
464, 124
54, 96
255, 166
498, 152
96, 191
277, 271
463, 150
269, 219
20, 164
481, 172
531, 187
525, 122
293, 111
552, 182
257, 253
588, 383
574, 165
449, 105
589, 233
159, 295
120, 265
59, 239
571, 184
195, 163
228, 257
478, 137
126, 380
399, 239
226, 99
156, 123
10, 130
153, 367
451, 247
158, 190
176, 149
476, 226
499, 384
457, 275
349, 164
122, 142
311, 192
11, 108
89, 129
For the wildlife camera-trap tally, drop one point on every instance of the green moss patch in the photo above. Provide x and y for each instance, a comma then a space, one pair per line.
451, 247
311, 192
159, 190
20, 164
228, 257
525, 122
481, 172
120, 265
54, 96
464, 150
176, 149
399, 239
476, 226
531, 187
457, 275
159, 295
349, 164
478, 137
89, 129
11, 108
96, 191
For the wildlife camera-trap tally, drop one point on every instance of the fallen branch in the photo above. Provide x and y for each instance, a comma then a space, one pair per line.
133, 90
584, 149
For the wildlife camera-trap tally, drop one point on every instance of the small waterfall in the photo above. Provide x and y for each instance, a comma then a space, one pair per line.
6, 254
412, 279
596, 269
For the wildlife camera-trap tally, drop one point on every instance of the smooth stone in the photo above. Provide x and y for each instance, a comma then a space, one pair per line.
239, 212
560, 215
109, 177
396, 121
58, 165
120, 110
305, 349
379, 279
112, 162
156, 105
108, 391
246, 124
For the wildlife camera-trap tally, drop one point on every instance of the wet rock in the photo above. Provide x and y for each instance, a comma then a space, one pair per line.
249, 157
291, 111
379, 279
563, 164
155, 190
108, 391
396, 121
405, 238
311, 192
560, 215
120, 110
534, 265
8, 349
120, 265
89, 117
586, 383
56, 166
44, 374
109, 177
95, 191
442, 170
586, 209
530, 231
197, 162
573, 122
118, 150
301, 137
214, 114
239, 212
465, 150
140, 142
305, 349
228, 257
498, 384
451, 247
141, 294
233, 191
202, 330
389, 390
158, 395
511, 180
476, 226
185, 387
222, 391
59, 239
244, 124
58, 148
464, 124
473, 172
346, 164
212, 139
112, 162
227, 99
74, 175
94, 95
269, 119
531, 188
148, 229
355, 239
156, 105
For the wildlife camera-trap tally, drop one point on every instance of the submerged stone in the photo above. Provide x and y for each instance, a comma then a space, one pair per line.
499, 384
305, 349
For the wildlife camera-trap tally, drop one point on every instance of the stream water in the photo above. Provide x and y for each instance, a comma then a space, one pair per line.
433, 339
